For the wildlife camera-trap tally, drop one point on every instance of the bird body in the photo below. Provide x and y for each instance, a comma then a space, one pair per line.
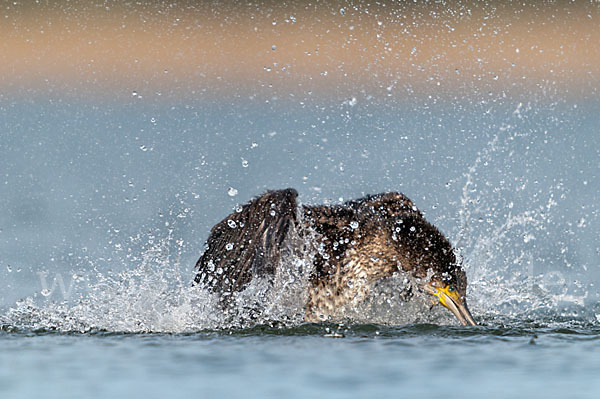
350, 247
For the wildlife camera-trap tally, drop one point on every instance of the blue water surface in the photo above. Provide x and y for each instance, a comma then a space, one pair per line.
308, 361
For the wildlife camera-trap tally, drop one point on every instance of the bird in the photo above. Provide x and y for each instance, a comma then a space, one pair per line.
349, 247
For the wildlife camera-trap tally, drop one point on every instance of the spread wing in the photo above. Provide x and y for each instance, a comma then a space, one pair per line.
247, 243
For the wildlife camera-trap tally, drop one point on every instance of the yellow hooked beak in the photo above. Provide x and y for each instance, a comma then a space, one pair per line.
448, 297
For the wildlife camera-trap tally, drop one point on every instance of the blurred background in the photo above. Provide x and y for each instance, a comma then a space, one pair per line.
127, 124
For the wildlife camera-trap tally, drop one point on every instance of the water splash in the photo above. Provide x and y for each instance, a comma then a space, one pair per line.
502, 236
156, 296
509, 273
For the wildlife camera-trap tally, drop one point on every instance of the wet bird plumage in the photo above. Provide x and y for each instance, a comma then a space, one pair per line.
352, 246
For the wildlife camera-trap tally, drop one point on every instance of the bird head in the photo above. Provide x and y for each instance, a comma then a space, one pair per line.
424, 251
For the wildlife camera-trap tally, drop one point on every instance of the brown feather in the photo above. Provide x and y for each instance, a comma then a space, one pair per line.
352, 246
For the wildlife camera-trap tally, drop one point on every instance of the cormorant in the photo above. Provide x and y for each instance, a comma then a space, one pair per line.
352, 245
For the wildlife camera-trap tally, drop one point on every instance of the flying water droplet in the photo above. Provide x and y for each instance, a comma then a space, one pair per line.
354, 224
229, 246
232, 192
232, 224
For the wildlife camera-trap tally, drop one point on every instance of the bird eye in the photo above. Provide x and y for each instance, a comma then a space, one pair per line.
451, 288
